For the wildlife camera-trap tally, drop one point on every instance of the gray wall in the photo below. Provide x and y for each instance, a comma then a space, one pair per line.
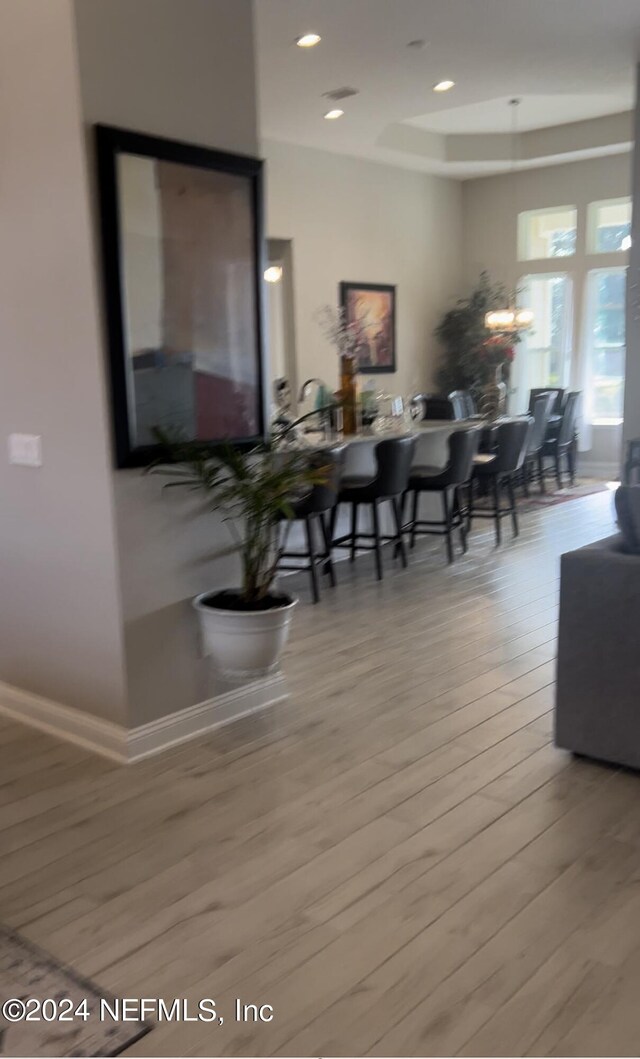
352, 219
181, 69
102, 565
186, 71
60, 627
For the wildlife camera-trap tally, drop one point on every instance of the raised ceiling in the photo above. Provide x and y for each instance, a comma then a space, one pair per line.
571, 62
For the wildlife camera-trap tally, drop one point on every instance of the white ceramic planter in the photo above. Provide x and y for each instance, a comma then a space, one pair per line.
244, 645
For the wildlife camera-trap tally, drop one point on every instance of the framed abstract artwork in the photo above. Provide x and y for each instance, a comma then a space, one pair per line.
182, 242
370, 309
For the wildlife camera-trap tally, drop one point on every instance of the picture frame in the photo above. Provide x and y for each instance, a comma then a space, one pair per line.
371, 308
183, 261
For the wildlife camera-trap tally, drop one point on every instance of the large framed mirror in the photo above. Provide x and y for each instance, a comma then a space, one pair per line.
183, 254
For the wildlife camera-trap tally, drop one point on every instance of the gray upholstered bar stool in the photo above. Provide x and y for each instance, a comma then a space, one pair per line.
393, 464
499, 469
463, 403
449, 481
564, 443
532, 465
314, 509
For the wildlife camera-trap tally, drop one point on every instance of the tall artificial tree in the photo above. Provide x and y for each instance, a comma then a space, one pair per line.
465, 364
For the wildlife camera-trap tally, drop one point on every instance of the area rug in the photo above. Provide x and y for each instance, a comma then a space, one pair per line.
583, 487
28, 977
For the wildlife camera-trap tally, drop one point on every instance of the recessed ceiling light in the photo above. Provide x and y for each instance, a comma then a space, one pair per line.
443, 86
273, 274
308, 40
331, 115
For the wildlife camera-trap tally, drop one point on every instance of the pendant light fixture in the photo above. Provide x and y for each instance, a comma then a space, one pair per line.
511, 319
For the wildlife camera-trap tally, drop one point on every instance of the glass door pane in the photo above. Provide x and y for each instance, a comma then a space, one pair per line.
606, 294
543, 358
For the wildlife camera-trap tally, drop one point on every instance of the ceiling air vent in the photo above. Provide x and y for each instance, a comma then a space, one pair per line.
338, 94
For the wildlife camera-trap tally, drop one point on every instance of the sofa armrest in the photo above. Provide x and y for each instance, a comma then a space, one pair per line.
598, 688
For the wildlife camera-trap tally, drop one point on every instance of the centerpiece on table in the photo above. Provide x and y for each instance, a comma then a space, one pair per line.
345, 337
494, 355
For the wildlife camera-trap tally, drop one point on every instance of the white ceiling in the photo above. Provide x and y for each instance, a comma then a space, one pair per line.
570, 61
534, 112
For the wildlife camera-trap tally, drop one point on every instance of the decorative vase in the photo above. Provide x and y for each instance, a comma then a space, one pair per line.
349, 393
493, 396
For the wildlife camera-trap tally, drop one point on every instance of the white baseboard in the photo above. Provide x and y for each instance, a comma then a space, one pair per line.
92, 733
126, 745
599, 469
186, 724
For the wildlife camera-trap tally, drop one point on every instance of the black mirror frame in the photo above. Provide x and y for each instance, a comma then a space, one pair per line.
110, 142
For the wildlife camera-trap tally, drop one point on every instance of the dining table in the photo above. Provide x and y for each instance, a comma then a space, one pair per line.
431, 438
432, 450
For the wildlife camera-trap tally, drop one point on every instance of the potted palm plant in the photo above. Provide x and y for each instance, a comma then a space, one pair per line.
244, 627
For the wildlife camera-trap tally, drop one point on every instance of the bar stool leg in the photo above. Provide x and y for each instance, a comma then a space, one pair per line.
354, 530
400, 546
458, 509
414, 518
313, 570
512, 502
333, 518
376, 533
332, 521
402, 507
571, 462
446, 507
496, 501
328, 565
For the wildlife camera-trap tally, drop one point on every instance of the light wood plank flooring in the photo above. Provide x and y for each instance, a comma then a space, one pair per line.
397, 858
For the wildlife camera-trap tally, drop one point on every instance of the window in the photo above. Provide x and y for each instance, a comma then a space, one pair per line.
547, 233
544, 356
609, 226
606, 295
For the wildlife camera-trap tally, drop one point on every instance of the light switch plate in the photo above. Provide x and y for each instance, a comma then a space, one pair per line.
25, 450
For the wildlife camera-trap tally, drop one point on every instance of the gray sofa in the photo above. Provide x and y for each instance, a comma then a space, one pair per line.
598, 690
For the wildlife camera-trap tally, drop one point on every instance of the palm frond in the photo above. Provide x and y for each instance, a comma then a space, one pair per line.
254, 491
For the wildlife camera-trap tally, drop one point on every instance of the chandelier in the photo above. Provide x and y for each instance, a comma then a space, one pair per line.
510, 319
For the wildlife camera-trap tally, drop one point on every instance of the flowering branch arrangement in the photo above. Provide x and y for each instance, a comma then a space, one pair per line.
496, 350
344, 336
